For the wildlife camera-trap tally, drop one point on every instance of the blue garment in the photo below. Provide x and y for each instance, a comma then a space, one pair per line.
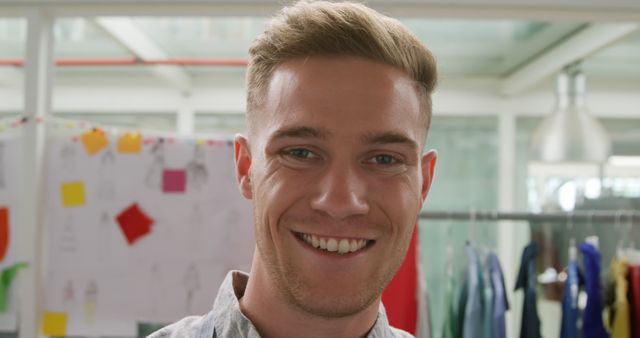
473, 309
592, 325
487, 305
500, 301
527, 281
569, 326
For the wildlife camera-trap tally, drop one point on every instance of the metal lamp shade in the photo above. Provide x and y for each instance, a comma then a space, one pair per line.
570, 133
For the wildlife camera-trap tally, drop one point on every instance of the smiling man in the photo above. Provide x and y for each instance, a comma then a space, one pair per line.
338, 108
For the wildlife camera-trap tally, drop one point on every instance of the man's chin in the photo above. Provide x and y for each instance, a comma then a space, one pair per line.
333, 306
332, 301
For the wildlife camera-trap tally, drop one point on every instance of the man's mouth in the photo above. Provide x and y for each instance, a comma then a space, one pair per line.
334, 245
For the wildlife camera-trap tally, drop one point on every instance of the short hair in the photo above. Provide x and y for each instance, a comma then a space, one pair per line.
322, 28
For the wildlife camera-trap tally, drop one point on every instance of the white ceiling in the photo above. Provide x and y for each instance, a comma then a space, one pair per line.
511, 51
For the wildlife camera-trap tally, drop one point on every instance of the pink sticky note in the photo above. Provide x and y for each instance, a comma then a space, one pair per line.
174, 180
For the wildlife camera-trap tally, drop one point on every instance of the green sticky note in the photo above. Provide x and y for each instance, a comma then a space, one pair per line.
7, 277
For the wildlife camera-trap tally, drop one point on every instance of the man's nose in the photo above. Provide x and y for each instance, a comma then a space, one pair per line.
341, 192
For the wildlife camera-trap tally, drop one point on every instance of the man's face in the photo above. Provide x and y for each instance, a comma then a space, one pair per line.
333, 165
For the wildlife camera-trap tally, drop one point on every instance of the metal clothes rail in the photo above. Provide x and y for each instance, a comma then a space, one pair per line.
615, 217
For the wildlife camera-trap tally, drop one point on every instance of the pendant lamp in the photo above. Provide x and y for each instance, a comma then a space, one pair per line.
570, 133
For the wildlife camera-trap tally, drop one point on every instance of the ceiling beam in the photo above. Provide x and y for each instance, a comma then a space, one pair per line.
527, 49
125, 31
578, 46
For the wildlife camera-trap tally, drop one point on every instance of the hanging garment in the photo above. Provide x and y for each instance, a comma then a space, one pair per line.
487, 303
527, 281
634, 295
500, 301
592, 325
621, 326
424, 300
473, 309
451, 318
462, 306
569, 326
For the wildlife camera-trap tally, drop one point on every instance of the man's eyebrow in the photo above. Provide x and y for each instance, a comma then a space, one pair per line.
301, 132
389, 138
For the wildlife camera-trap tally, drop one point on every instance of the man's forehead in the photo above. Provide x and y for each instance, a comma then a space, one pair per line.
339, 96
340, 66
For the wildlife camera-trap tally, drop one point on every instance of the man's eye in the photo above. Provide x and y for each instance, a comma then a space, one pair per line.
300, 153
384, 159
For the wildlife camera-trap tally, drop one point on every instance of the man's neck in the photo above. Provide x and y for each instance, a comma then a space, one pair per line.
274, 318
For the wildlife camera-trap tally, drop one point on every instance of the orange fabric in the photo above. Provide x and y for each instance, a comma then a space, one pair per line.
400, 298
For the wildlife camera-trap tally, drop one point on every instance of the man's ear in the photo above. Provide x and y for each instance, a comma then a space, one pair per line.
243, 165
428, 169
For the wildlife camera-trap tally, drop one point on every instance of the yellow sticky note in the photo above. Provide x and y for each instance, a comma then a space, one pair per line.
54, 324
94, 140
72, 194
130, 143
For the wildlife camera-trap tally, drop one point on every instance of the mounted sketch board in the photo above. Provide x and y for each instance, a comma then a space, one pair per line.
138, 229
11, 146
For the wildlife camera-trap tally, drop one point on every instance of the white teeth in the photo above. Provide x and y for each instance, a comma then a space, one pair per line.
353, 246
332, 245
341, 246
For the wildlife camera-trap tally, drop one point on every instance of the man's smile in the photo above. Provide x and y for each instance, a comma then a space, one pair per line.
335, 245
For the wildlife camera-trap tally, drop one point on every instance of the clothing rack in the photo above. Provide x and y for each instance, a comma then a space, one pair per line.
622, 217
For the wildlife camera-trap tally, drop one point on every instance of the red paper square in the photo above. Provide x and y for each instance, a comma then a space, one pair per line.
134, 223
4, 232
174, 180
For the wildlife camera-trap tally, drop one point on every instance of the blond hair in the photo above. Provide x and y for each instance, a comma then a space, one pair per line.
321, 28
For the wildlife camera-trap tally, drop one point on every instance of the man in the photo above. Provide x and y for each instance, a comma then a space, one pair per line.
338, 108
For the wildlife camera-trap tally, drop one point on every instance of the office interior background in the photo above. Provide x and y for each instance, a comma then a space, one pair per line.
516, 132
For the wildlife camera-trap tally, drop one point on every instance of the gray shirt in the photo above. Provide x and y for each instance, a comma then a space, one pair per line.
226, 320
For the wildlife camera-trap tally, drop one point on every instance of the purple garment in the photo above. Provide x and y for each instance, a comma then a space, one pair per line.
592, 325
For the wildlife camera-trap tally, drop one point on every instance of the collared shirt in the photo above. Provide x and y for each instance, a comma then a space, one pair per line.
226, 320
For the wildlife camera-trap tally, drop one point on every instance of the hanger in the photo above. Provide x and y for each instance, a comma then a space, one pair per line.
573, 251
620, 250
633, 255
593, 239
449, 248
472, 225
632, 244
